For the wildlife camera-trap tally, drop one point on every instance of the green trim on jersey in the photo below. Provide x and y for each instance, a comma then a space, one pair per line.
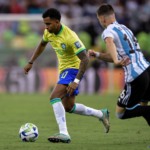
82, 49
61, 29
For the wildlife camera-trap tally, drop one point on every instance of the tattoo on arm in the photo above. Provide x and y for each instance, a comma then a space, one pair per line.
83, 64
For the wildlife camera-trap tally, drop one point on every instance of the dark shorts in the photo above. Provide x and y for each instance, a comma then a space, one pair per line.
136, 91
68, 76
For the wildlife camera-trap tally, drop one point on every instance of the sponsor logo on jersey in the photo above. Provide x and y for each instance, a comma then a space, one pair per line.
77, 44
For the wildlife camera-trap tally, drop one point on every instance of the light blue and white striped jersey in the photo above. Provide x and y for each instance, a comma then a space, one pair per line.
127, 46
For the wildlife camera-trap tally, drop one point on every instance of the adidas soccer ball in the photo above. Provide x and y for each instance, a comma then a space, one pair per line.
28, 132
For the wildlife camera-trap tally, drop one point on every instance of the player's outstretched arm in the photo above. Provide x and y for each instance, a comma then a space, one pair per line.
111, 55
36, 53
100, 55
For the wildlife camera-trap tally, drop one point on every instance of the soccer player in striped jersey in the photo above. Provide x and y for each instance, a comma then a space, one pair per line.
123, 49
73, 61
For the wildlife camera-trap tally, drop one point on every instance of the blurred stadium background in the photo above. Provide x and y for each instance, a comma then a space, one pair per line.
21, 29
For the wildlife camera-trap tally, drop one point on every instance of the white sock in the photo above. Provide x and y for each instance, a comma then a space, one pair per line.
84, 110
60, 115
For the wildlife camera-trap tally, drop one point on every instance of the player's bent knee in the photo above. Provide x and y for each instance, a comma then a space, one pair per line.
67, 109
119, 115
120, 112
72, 108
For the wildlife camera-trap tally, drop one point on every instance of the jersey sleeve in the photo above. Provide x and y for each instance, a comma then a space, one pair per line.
107, 33
76, 44
45, 36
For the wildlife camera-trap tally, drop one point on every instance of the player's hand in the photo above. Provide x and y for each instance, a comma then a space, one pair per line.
91, 53
71, 87
27, 68
124, 62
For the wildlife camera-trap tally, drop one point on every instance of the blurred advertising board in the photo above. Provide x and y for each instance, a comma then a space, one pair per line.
13, 80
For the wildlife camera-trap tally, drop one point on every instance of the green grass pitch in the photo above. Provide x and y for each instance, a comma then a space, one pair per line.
86, 132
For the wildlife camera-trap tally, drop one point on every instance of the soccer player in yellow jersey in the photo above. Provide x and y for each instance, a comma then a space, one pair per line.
73, 61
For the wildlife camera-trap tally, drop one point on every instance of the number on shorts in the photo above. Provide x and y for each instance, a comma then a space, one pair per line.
64, 74
122, 95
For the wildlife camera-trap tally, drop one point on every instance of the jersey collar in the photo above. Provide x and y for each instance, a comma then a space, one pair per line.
61, 29
115, 22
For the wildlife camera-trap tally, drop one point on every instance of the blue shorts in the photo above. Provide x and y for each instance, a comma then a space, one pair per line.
68, 76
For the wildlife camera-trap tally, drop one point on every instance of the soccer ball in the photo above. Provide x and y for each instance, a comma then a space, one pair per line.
28, 132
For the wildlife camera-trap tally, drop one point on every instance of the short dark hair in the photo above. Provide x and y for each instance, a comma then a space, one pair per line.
52, 13
105, 9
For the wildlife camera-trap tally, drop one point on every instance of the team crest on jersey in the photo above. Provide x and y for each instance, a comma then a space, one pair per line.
77, 44
63, 46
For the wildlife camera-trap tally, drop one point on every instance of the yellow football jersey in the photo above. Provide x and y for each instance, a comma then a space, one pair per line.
66, 45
